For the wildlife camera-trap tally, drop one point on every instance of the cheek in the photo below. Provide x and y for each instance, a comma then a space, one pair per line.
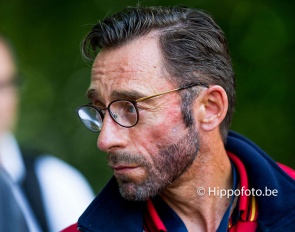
164, 131
158, 129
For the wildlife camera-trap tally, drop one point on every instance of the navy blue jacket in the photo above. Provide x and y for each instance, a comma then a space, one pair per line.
110, 212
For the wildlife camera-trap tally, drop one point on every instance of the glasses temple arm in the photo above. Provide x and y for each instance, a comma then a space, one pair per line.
169, 91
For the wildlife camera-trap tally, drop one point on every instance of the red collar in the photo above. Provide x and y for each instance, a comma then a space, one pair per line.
247, 202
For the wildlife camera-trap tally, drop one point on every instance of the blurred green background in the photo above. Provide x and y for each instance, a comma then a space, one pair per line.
47, 36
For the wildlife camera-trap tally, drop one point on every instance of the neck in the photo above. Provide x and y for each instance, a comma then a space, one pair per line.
200, 212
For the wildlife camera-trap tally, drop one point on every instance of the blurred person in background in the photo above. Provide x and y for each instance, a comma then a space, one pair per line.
53, 192
15, 214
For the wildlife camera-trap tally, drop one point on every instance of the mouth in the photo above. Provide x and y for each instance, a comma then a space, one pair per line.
123, 168
127, 166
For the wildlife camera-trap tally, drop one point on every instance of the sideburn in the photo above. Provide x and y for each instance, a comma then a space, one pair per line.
186, 108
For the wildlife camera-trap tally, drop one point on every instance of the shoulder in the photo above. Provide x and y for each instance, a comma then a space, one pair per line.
55, 172
66, 193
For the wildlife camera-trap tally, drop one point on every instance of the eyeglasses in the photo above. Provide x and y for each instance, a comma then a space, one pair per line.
123, 112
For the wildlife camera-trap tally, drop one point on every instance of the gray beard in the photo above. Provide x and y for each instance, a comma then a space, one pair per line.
169, 164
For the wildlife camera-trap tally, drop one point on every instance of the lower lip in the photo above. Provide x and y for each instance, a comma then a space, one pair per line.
124, 169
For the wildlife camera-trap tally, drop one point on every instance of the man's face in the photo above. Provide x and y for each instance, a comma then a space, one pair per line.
149, 156
8, 93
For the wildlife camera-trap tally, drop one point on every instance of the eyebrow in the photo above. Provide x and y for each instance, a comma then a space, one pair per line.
126, 95
93, 94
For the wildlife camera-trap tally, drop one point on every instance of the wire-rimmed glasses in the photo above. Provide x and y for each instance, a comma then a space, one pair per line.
123, 112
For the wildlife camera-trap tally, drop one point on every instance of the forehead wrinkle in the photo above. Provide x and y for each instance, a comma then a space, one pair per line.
115, 70
108, 68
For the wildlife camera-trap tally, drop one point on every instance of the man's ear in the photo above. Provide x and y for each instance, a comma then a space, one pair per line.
214, 106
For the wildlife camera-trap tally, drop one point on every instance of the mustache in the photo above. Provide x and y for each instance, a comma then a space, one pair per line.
125, 158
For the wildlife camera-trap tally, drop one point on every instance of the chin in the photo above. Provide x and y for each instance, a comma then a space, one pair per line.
132, 192
139, 191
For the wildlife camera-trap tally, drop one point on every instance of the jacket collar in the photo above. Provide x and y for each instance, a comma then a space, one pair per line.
263, 172
109, 211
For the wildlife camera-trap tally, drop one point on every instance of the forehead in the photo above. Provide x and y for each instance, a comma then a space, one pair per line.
136, 65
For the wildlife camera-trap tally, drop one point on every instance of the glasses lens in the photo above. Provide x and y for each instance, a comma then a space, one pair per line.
124, 113
90, 118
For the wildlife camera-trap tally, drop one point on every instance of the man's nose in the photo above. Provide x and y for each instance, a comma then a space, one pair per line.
111, 135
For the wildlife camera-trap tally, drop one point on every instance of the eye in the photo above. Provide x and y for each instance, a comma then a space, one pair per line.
128, 107
131, 108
